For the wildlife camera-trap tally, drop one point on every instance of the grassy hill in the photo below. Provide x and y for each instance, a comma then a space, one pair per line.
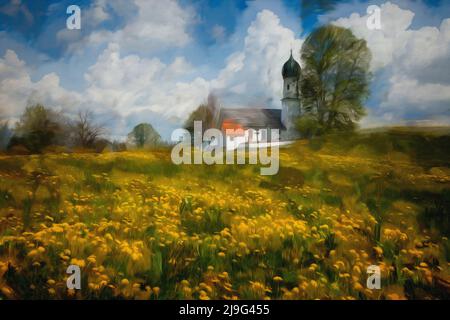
142, 227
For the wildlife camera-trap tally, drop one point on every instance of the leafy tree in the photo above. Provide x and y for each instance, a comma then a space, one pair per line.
308, 126
335, 78
205, 112
38, 128
144, 135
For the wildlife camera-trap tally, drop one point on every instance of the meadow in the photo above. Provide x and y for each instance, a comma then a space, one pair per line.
141, 227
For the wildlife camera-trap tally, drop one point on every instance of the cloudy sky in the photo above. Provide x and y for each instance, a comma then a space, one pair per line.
154, 61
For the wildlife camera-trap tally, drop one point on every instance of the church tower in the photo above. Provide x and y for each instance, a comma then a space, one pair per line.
291, 104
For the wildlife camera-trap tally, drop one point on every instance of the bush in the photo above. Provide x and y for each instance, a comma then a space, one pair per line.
18, 149
38, 128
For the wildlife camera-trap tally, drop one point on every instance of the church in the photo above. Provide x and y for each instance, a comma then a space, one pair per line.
257, 122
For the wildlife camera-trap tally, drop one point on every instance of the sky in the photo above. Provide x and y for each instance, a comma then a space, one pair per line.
155, 61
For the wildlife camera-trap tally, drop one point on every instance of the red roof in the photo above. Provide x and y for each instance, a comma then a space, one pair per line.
229, 124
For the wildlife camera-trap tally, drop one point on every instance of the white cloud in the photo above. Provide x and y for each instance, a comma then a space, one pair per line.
252, 75
414, 60
17, 90
417, 93
130, 83
97, 13
149, 25
91, 17
116, 86
389, 42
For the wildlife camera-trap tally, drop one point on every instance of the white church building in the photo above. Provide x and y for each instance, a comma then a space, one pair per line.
257, 123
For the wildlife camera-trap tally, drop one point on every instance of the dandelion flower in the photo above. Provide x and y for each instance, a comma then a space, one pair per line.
277, 279
378, 251
357, 286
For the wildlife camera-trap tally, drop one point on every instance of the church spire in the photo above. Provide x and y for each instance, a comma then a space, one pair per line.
291, 69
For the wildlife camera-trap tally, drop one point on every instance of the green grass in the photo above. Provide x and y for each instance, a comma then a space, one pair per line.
143, 219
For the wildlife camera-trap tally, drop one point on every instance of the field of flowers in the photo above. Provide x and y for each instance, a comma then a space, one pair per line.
142, 228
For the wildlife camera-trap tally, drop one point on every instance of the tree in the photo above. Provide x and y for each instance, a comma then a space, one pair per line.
38, 128
144, 135
335, 78
118, 146
86, 132
308, 126
205, 113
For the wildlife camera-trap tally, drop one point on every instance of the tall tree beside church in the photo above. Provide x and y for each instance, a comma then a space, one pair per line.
335, 78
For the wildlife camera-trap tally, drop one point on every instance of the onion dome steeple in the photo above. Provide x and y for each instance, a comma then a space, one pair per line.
291, 69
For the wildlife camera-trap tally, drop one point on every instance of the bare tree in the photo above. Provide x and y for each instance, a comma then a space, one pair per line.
206, 112
86, 131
